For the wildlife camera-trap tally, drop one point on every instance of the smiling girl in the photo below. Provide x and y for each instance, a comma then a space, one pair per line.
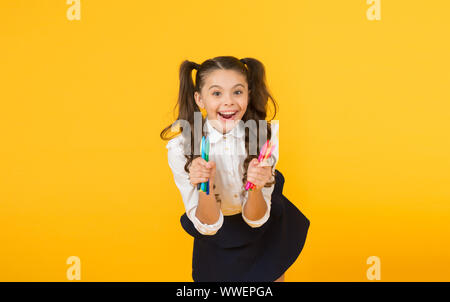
239, 235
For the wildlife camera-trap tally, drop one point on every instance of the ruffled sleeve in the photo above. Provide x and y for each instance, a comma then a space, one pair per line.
189, 193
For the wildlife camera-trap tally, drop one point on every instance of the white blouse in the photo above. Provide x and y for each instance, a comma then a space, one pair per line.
228, 152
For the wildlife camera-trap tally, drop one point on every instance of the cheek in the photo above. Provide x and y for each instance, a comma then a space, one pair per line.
211, 109
213, 106
243, 106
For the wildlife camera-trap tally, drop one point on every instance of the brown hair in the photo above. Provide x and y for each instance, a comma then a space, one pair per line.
259, 95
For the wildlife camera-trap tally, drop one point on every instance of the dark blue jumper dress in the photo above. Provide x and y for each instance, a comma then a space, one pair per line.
238, 252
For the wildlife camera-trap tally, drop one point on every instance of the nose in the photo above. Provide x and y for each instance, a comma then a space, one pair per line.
228, 100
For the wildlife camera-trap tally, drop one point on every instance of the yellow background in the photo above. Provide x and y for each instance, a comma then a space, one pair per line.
364, 133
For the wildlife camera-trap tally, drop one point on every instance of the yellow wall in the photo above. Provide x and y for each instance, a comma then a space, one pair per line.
364, 133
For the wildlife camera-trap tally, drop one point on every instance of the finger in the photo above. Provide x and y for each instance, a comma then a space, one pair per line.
197, 180
250, 174
258, 180
253, 178
201, 173
195, 166
257, 174
198, 167
205, 170
202, 165
252, 164
252, 168
204, 174
265, 163
263, 171
200, 161
210, 165
250, 179
254, 174
263, 166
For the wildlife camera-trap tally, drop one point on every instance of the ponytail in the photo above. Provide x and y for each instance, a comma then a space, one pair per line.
186, 101
186, 108
259, 94
257, 106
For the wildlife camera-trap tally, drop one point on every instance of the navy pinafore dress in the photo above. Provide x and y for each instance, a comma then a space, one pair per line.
238, 252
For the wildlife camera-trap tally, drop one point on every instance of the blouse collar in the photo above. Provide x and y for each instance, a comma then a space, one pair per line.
238, 131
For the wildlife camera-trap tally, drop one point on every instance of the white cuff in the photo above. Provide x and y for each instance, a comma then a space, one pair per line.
205, 229
259, 222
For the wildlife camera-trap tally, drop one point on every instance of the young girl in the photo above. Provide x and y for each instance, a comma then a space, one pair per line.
239, 235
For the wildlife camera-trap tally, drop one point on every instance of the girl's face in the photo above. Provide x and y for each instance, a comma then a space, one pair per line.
224, 96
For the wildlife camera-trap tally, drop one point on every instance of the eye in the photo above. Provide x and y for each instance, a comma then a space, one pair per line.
240, 91
214, 93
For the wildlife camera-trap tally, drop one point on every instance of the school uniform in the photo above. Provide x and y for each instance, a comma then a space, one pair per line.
236, 248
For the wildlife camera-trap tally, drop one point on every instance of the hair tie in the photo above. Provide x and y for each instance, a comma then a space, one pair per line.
243, 61
195, 65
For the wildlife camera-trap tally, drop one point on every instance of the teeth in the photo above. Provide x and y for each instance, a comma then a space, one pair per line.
227, 112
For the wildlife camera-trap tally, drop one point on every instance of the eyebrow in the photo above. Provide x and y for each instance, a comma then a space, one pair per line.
212, 86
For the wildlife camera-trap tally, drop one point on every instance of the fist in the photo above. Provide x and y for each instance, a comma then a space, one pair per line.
201, 171
259, 173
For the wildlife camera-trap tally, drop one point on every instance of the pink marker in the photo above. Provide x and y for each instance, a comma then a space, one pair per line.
252, 186
263, 151
260, 157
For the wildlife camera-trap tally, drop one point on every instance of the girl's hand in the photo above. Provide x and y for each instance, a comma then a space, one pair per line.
201, 171
259, 173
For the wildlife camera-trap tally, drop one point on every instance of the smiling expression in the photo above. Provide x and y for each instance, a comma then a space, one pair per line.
224, 96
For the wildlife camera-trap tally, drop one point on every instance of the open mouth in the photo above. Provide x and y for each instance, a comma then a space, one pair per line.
227, 115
